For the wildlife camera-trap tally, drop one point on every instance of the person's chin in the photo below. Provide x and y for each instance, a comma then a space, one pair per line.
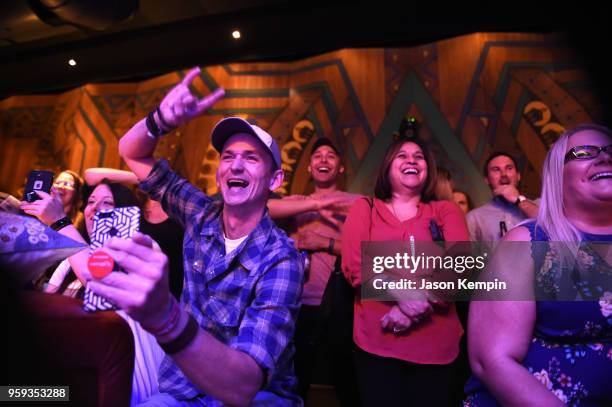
325, 181
234, 198
412, 184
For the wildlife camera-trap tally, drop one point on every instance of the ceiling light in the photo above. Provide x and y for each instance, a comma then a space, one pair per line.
71, 62
236, 34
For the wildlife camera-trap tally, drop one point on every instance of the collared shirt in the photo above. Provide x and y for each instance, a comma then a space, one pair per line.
435, 342
484, 222
248, 299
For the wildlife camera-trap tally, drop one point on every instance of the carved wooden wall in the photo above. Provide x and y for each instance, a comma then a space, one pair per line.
473, 95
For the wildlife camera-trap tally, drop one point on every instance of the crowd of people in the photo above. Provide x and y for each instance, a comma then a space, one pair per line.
226, 308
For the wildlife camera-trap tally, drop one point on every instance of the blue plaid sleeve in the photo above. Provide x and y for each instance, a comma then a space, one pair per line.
268, 325
180, 199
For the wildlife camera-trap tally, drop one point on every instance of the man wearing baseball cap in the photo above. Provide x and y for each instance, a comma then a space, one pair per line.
229, 340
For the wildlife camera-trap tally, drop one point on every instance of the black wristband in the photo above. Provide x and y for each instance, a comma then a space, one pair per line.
164, 124
152, 126
183, 339
62, 223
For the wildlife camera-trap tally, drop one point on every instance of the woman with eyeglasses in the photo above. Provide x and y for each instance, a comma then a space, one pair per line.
68, 187
404, 348
554, 348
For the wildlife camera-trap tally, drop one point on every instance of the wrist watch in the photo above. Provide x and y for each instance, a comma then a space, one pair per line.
520, 199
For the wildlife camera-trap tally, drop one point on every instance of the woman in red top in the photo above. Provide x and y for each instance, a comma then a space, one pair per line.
405, 348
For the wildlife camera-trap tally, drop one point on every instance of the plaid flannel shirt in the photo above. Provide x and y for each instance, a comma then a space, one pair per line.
248, 299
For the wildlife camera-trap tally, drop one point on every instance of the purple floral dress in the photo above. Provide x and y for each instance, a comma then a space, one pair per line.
571, 352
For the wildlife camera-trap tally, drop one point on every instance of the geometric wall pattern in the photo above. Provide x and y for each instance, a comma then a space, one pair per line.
472, 95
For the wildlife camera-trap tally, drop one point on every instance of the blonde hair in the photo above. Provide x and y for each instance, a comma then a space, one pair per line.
551, 214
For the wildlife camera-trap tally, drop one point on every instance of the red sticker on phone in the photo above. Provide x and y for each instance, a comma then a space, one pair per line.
100, 264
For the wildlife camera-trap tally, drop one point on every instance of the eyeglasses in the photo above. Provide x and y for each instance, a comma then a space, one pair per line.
586, 152
64, 185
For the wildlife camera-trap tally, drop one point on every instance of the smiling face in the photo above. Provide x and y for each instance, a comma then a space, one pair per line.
588, 183
245, 175
64, 187
502, 171
408, 170
100, 198
325, 166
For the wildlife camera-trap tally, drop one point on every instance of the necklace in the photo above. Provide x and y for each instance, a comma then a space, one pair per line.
412, 243
408, 213
394, 213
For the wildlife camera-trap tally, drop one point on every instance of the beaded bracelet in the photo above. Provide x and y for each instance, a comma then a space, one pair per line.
169, 323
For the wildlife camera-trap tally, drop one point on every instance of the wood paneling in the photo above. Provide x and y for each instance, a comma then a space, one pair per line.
470, 91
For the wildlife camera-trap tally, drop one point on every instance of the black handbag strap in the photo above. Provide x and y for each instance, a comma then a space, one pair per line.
338, 265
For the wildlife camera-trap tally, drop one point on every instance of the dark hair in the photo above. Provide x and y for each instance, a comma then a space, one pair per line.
324, 141
75, 202
441, 192
382, 190
496, 154
443, 173
122, 195
141, 196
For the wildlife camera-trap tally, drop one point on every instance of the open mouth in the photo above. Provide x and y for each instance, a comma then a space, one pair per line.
324, 170
601, 175
237, 183
410, 170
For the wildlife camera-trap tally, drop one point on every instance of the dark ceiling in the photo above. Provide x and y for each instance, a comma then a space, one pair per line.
38, 37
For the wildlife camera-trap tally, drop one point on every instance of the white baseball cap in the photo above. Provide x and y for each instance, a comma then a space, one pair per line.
234, 125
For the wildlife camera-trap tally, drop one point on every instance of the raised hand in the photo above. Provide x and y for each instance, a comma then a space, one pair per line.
47, 209
143, 290
180, 105
309, 240
334, 202
334, 207
508, 192
330, 216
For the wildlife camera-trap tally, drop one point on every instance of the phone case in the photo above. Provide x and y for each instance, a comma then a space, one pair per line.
38, 180
117, 222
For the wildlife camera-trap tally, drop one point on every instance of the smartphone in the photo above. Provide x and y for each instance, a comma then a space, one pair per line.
38, 180
117, 222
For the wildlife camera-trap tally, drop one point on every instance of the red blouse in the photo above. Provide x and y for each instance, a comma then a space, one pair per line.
435, 341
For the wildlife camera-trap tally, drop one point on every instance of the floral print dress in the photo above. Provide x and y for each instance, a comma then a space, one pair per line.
571, 351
